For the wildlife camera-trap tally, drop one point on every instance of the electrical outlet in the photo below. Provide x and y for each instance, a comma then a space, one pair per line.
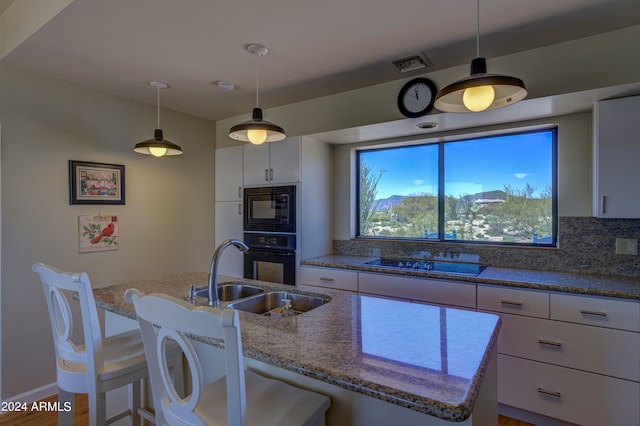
626, 246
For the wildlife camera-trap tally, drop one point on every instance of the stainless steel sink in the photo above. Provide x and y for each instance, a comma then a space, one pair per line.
230, 292
266, 303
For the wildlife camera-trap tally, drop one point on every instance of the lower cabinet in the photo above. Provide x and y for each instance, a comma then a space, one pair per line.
574, 358
338, 279
567, 394
440, 292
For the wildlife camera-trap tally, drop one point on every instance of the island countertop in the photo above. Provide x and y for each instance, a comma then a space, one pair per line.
425, 358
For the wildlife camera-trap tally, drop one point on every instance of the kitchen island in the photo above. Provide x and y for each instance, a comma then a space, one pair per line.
381, 361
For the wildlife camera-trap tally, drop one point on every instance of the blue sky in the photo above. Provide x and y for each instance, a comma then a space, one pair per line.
471, 166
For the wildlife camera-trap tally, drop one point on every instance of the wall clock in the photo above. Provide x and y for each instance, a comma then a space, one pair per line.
416, 97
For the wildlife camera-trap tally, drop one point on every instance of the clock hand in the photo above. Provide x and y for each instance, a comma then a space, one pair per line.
416, 90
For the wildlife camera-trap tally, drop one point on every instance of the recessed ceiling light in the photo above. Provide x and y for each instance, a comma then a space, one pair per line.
225, 86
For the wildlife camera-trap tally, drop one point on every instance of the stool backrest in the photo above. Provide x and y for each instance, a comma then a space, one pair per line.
55, 283
162, 317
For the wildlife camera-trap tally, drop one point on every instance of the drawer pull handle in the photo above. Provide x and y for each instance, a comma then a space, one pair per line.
329, 279
511, 302
550, 343
596, 313
548, 392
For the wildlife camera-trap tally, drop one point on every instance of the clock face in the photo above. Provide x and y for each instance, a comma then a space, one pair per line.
416, 97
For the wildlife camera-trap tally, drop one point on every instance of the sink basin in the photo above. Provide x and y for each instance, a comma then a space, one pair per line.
265, 303
230, 292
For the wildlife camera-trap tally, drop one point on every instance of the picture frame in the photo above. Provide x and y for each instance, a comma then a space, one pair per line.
96, 183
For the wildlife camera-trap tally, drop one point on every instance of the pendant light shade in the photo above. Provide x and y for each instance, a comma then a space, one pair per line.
158, 146
480, 91
257, 131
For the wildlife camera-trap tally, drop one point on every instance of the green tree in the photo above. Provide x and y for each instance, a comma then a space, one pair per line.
368, 192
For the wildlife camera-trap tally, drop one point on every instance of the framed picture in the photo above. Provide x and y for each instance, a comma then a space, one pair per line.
98, 233
95, 183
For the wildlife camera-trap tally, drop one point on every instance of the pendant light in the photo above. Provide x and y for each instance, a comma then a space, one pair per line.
480, 91
158, 146
257, 131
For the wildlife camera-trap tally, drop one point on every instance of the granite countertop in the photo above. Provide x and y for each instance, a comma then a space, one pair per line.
425, 358
595, 285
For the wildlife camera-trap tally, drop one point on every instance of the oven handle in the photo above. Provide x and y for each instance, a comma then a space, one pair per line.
275, 253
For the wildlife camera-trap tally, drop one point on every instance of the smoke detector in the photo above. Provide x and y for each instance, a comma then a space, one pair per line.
225, 86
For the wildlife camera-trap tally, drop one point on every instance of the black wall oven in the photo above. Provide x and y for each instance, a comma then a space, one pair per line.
271, 257
270, 209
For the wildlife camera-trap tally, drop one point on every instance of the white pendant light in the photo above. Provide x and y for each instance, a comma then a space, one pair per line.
158, 146
257, 131
480, 91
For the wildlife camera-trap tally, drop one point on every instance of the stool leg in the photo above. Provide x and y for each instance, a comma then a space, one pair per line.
97, 408
65, 418
135, 402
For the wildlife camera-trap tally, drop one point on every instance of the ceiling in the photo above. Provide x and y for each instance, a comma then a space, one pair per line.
316, 48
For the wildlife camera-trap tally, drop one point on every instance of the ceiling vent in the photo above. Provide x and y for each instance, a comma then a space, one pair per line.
411, 63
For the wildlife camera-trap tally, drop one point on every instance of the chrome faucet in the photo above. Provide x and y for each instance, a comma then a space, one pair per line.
214, 299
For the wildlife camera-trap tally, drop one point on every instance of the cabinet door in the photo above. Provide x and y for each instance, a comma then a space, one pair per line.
285, 161
256, 164
228, 224
616, 153
330, 278
567, 394
229, 174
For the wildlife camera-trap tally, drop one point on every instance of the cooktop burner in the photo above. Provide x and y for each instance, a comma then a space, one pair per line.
459, 268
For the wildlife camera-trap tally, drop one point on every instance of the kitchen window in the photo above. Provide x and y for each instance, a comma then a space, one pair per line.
498, 189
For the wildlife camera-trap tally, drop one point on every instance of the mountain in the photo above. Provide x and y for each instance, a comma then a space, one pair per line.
384, 204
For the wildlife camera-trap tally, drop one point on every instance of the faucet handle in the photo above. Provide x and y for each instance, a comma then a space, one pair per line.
192, 292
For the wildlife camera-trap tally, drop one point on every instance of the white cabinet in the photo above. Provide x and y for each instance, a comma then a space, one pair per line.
441, 292
338, 279
228, 174
272, 163
566, 356
228, 207
615, 155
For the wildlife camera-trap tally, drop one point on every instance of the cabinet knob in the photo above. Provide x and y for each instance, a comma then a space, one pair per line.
557, 345
266, 175
328, 279
596, 313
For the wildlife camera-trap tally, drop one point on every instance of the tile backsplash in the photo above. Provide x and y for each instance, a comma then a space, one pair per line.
586, 245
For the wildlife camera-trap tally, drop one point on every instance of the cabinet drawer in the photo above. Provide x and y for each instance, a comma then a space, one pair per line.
514, 301
620, 314
595, 349
419, 289
574, 396
331, 278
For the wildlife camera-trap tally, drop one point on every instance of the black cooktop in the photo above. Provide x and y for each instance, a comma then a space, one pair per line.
459, 268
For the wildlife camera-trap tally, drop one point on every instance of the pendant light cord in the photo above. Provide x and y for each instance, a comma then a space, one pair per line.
478, 29
158, 91
257, 80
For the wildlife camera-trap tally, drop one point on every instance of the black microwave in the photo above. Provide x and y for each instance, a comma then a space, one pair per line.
271, 209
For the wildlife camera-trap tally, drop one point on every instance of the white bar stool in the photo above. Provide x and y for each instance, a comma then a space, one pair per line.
241, 398
99, 365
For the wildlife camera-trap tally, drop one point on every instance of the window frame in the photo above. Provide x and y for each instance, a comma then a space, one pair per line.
441, 142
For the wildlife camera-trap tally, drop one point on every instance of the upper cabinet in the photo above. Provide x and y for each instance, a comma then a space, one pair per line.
229, 174
615, 155
272, 163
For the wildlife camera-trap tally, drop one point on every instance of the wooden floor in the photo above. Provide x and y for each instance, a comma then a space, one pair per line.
47, 418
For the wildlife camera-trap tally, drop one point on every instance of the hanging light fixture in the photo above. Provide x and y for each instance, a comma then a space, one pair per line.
257, 130
158, 146
480, 91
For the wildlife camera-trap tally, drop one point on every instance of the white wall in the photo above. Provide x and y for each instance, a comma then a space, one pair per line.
166, 226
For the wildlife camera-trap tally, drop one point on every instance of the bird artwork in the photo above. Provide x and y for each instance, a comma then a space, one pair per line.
106, 232
97, 233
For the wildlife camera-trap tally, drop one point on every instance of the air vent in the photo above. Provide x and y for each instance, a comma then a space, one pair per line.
411, 63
